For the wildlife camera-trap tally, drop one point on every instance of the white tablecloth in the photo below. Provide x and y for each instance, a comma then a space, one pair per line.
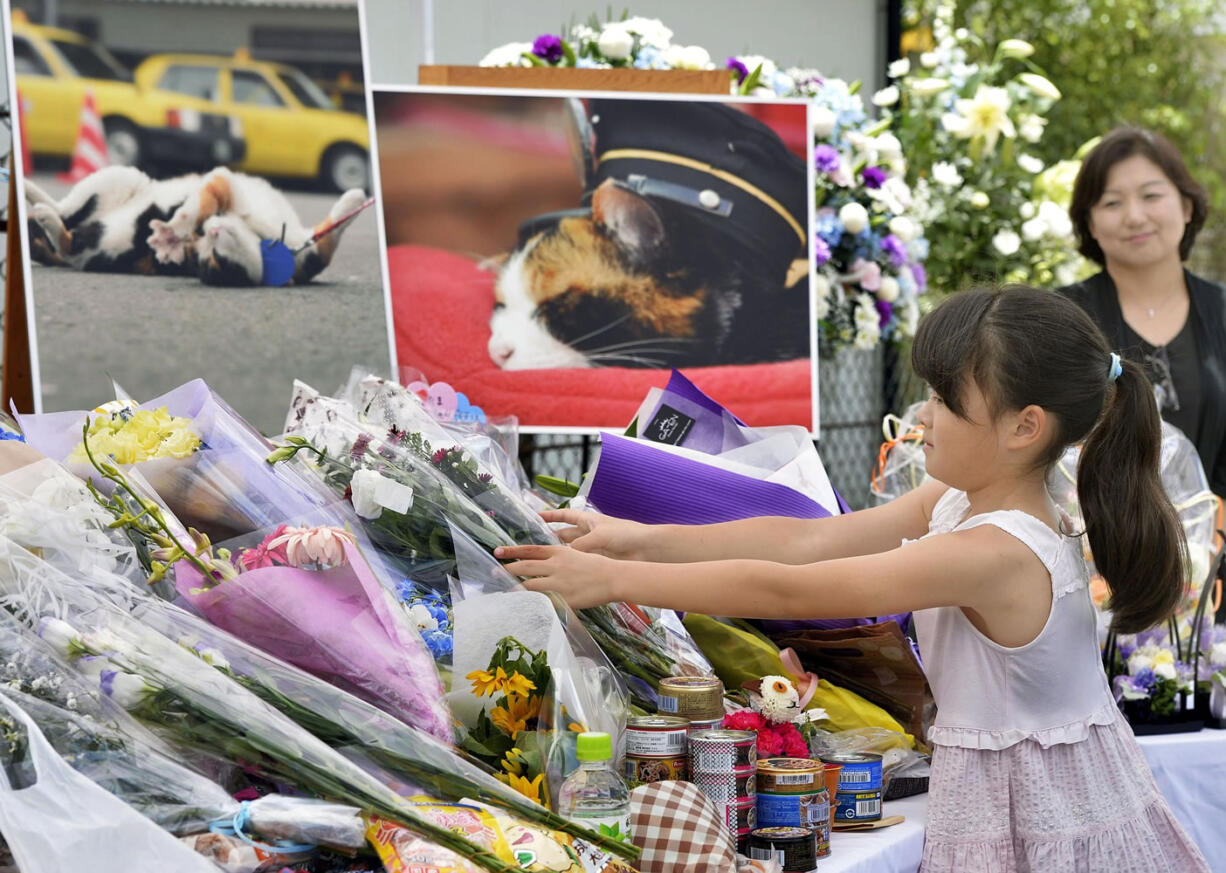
1190, 770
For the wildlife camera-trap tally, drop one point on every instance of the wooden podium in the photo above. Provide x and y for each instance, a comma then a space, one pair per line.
573, 79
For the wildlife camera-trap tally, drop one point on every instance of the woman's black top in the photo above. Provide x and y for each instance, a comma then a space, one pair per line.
1191, 368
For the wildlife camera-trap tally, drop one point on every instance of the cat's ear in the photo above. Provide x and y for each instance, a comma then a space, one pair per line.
629, 219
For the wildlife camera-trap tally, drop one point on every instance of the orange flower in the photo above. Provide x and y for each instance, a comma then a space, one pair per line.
484, 682
515, 717
530, 789
519, 685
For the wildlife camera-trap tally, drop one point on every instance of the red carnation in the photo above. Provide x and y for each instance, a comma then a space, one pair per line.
745, 720
770, 743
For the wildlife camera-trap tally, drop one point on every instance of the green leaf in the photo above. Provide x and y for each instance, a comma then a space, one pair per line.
751, 81
568, 54
554, 485
536, 61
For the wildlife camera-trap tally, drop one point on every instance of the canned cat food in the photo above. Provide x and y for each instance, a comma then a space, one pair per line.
731, 785
786, 775
858, 805
692, 697
641, 771
794, 848
657, 736
720, 750
861, 771
706, 725
799, 810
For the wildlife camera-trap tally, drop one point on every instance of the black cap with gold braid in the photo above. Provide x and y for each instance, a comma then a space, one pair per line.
731, 171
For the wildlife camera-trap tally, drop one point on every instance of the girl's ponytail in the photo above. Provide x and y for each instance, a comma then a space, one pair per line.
1134, 531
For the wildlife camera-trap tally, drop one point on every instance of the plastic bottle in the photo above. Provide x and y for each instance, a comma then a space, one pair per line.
594, 794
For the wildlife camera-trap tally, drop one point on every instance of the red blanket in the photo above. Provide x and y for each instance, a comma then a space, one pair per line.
441, 306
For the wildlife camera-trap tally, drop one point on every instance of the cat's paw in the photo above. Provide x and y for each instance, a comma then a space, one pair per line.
183, 224
168, 247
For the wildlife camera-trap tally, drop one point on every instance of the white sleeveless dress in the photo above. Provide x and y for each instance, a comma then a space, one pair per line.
1034, 768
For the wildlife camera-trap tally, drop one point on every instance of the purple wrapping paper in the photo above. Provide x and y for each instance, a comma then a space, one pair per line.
636, 480
336, 624
683, 387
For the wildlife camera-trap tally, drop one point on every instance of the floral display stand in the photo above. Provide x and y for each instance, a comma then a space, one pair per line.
667, 81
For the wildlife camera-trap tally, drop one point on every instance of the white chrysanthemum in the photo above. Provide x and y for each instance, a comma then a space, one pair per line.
823, 121
821, 288
1034, 229
929, 87
980, 200
928, 60
889, 289
778, 700
887, 96
651, 31
903, 228
887, 145
509, 55
867, 339
899, 68
1058, 222
954, 123
1030, 164
854, 217
1164, 670
1030, 127
615, 42
945, 173
865, 315
1007, 242
1027, 211
688, 57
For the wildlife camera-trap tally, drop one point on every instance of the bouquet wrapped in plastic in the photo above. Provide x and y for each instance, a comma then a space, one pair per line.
306, 593
534, 691
203, 460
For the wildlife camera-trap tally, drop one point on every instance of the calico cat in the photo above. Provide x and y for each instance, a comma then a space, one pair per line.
634, 285
119, 220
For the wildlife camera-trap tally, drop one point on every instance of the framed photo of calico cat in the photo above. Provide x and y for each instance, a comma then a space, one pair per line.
195, 201
556, 254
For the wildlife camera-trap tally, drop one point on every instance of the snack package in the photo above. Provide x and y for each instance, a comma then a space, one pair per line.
535, 849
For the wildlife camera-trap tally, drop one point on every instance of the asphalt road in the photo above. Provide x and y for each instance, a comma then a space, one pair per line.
151, 333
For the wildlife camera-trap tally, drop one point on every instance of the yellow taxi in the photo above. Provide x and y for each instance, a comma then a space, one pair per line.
56, 68
290, 125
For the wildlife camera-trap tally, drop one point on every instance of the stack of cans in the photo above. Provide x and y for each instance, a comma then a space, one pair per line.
724, 764
792, 794
656, 749
859, 795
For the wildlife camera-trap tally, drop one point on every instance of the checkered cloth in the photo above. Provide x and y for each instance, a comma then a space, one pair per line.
678, 828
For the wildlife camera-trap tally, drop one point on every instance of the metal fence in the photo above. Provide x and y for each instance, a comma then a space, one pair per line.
857, 389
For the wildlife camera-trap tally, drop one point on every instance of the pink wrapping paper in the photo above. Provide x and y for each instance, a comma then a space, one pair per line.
338, 624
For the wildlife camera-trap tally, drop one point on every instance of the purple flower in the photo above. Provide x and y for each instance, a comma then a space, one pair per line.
896, 249
826, 158
920, 275
874, 177
1145, 680
548, 47
741, 70
885, 311
821, 251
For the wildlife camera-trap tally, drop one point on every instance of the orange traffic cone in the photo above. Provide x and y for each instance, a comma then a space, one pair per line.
89, 154
27, 160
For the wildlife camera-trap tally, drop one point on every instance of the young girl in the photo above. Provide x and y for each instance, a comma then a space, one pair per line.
1033, 768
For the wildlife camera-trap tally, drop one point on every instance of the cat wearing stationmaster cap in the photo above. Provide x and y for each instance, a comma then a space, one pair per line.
683, 259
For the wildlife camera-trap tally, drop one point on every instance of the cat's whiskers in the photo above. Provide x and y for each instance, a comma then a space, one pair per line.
574, 343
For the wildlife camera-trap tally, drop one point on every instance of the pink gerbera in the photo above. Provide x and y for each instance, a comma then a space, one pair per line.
322, 546
264, 555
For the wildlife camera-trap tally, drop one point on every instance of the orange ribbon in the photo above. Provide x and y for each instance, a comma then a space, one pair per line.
890, 428
806, 682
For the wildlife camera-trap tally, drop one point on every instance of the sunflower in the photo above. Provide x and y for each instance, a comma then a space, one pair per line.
484, 682
518, 685
529, 788
515, 716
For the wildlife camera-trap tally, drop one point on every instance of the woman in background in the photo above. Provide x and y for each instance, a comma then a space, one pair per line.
1137, 210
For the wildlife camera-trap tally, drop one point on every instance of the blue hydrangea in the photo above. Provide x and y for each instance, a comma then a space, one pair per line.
439, 643
9, 435
829, 228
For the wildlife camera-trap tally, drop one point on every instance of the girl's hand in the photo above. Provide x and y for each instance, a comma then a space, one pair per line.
600, 534
582, 579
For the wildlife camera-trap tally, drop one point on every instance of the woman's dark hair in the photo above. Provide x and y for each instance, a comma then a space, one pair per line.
1118, 145
1024, 346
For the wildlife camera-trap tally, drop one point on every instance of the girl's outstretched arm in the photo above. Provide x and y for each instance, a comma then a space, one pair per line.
784, 540
975, 568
